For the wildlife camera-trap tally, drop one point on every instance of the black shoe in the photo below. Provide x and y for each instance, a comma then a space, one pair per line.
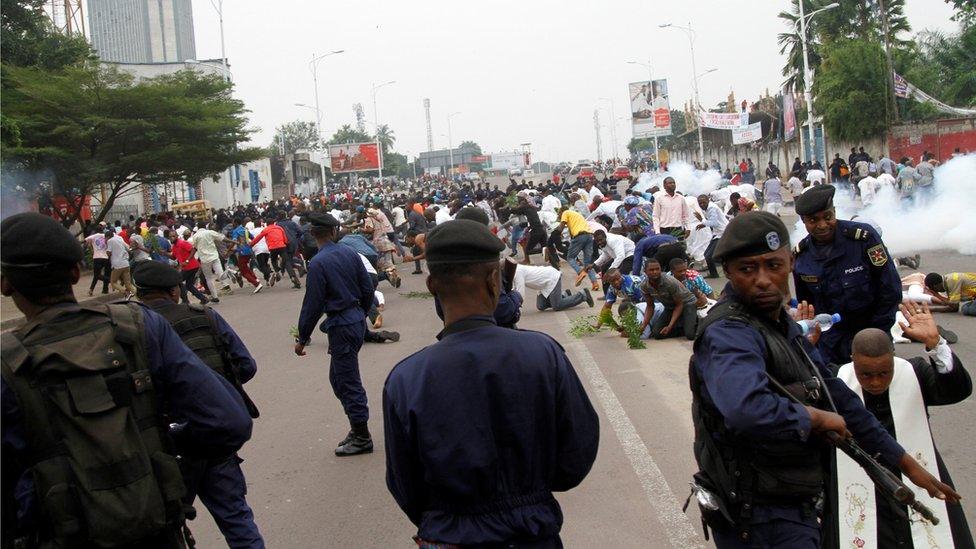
948, 335
214, 300
417, 272
349, 436
354, 446
589, 296
388, 336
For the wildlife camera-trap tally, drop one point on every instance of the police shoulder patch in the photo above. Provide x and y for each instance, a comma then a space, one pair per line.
877, 255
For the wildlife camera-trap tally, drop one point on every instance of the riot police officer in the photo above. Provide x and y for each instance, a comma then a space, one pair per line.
219, 482
755, 447
843, 267
88, 393
338, 285
456, 484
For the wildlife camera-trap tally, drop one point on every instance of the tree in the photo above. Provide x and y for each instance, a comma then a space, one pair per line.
385, 136
296, 135
30, 40
347, 134
471, 145
850, 20
965, 11
850, 91
90, 127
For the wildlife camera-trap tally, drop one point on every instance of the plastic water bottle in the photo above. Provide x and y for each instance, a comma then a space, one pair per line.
793, 306
824, 320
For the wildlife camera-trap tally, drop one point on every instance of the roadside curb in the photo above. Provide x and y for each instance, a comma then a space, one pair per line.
17, 322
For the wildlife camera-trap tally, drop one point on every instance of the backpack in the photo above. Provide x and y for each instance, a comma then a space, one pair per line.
97, 448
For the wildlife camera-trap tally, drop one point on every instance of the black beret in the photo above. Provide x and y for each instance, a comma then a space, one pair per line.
462, 241
816, 199
322, 220
35, 240
153, 274
473, 213
752, 233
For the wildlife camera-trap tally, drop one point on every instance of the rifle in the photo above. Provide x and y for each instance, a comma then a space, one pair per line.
883, 479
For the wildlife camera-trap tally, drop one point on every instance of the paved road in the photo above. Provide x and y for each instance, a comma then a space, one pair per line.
303, 496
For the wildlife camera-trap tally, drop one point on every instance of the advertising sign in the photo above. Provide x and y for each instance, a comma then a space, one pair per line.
650, 110
354, 157
748, 134
723, 120
789, 116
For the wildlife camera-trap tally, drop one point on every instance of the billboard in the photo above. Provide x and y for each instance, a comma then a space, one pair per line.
354, 157
650, 110
789, 116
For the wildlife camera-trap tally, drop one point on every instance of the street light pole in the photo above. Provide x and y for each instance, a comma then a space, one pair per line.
376, 123
808, 75
313, 64
613, 126
450, 145
694, 70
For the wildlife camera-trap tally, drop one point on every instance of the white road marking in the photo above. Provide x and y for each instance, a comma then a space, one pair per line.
679, 530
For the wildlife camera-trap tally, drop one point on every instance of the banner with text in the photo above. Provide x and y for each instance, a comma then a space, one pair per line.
747, 134
650, 110
723, 120
354, 157
789, 116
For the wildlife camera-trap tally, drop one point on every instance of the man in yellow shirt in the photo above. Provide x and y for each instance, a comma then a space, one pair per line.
580, 240
960, 289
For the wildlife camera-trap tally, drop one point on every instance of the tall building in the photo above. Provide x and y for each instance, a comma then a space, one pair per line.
142, 31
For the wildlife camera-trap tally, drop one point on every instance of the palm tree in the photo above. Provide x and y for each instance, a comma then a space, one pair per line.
852, 19
386, 137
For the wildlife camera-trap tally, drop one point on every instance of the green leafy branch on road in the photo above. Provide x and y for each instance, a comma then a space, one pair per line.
417, 295
584, 326
630, 324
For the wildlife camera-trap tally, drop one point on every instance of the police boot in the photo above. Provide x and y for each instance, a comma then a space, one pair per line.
358, 441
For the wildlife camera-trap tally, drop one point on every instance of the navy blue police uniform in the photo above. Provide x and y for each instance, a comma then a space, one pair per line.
211, 418
218, 482
853, 276
338, 285
484, 425
753, 444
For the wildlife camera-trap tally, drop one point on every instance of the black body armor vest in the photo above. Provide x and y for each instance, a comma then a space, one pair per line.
745, 471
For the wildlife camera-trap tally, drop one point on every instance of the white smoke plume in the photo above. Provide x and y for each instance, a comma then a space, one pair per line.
692, 182
946, 220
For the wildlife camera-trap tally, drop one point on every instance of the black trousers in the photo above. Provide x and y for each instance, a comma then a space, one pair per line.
668, 252
263, 266
537, 237
189, 284
281, 259
709, 262
101, 270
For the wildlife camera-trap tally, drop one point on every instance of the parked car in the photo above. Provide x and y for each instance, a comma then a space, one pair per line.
585, 170
514, 172
622, 172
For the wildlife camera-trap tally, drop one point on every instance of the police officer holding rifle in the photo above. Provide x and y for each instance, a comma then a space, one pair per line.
766, 408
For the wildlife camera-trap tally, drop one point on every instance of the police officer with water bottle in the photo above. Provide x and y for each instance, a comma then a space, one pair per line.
843, 267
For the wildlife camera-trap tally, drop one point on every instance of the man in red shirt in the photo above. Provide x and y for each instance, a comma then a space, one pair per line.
278, 247
189, 267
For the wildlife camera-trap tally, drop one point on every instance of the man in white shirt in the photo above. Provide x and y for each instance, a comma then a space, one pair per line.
442, 215
262, 253
399, 218
886, 181
609, 209
592, 190
716, 221
869, 188
549, 202
816, 177
118, 257
795, 186
548, 281
204, 243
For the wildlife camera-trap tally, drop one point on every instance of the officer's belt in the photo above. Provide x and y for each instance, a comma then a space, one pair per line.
506, 504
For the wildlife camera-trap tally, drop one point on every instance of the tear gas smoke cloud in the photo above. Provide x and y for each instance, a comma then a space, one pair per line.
944, 220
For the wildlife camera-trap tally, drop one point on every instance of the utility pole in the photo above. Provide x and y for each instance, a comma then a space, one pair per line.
889, 66
596, 126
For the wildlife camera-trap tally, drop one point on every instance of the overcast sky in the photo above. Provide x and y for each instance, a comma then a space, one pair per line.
517, 71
